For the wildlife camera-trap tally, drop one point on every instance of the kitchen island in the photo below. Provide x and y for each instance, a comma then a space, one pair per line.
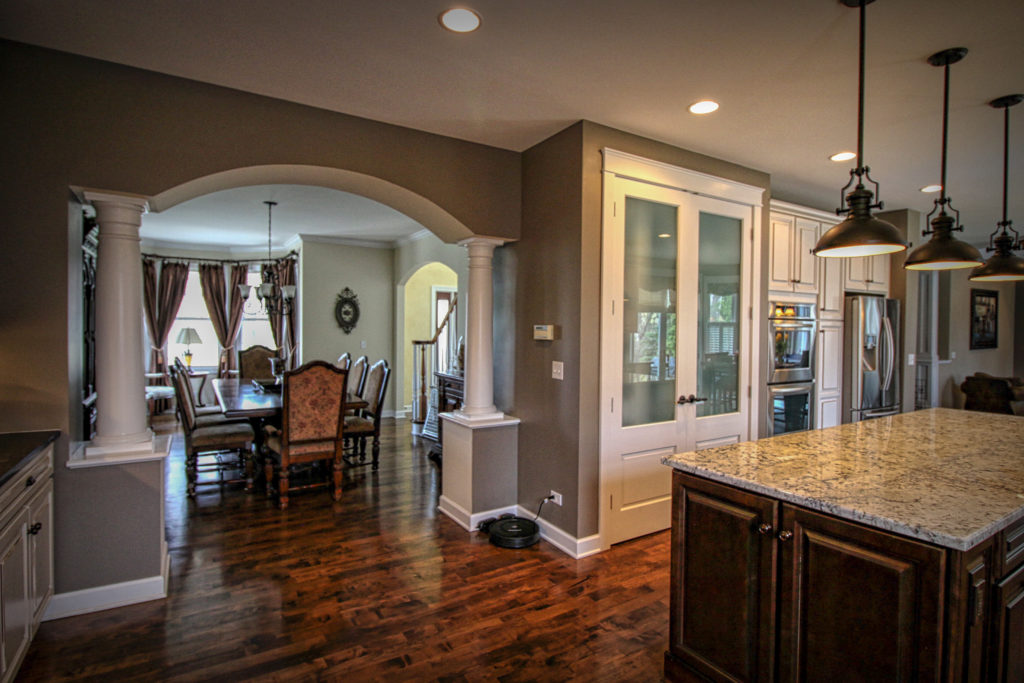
891, 549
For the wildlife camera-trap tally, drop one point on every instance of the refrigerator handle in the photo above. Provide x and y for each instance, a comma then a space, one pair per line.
891, 342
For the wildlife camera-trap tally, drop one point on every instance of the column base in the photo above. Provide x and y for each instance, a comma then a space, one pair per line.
491, 416
480, 461
93, 454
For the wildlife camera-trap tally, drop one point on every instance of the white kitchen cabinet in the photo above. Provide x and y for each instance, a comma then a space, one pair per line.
26, 545
830, 287
867, 274
829, 373
793, 268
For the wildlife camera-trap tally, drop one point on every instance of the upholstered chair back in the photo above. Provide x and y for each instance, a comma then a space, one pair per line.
254, 362
376, 387
313, 403
182, 395
357, 375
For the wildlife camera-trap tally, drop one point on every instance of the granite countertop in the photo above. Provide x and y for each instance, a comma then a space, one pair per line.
17, 448
949, 477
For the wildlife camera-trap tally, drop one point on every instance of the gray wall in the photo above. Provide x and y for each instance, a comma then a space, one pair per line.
72, 121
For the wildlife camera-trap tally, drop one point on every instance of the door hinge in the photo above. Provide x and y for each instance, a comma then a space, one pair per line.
615, 209
750, 393
611, 497
613, 306
612, 407
750, 313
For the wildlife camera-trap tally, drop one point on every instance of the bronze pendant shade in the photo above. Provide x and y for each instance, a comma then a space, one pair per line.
861, 234
1003, 265
944, 251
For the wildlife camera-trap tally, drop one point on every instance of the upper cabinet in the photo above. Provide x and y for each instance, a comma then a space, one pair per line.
868, 274
793, 268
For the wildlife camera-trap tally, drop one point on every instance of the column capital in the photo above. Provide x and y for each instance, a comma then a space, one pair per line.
482, 242
138, 202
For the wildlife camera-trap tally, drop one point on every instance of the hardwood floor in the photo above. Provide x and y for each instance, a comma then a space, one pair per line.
376, 586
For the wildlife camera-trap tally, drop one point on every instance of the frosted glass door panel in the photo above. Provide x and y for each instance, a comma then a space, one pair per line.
718, 317
649, 313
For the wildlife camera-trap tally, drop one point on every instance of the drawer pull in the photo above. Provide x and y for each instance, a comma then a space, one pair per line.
765, 529
35, 528
785, 535
30, 481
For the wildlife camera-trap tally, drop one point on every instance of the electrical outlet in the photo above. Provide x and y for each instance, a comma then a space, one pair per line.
556, 497
557, 370
362, 344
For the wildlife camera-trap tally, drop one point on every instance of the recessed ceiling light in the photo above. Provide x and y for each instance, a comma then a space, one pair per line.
460, 20
703, 107
931, 188
843, 156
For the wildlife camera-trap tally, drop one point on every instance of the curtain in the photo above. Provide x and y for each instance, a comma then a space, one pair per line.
281, 327
161, 299
224, 306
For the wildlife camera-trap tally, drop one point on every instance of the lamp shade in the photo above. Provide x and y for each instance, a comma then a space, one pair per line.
999, 268
943, 251
861, 234
188, 335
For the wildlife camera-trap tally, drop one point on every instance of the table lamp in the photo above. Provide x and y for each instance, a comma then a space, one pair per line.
188, 336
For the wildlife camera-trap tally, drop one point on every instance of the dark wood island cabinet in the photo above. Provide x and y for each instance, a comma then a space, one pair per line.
765, 588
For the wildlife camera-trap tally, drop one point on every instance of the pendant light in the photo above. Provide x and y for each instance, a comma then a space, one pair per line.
860, 234
1003, 265
273, 297
943, 251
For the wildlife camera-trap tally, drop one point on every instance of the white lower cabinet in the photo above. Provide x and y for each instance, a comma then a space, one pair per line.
26, 558
829, 374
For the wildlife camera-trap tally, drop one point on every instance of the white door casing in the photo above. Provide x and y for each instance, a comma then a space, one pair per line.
635, 486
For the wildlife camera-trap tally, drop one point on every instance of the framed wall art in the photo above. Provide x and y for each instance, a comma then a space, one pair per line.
984, 319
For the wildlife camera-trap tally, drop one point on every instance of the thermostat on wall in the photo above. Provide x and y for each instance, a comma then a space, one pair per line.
545, 332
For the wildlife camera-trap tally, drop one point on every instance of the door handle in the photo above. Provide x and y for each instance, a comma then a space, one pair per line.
683, 400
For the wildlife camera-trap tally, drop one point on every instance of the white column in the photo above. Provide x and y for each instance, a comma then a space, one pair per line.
122, 423
478, 402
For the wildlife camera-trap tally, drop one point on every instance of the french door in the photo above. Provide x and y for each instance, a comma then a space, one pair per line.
675, 342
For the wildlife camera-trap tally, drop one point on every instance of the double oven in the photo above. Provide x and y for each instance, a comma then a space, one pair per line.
792, 327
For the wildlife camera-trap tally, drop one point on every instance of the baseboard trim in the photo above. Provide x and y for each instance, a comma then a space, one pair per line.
106, 597
467, 520
576, 548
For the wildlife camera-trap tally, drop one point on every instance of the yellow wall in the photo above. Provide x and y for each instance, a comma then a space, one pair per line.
417, 312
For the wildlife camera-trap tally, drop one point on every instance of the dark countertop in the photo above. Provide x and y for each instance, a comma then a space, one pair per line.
18, 448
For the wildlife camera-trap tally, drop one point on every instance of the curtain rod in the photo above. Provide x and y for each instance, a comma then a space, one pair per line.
238, 261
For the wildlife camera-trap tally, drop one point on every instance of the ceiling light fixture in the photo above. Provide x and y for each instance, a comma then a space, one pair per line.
931, 188
860, 234
1003, 265
943, 251
843, 156
460, 20
274, 298
703, 107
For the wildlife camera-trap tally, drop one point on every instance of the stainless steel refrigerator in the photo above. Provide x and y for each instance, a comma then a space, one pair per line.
871, 352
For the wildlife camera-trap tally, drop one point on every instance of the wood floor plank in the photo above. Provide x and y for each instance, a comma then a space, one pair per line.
375, 586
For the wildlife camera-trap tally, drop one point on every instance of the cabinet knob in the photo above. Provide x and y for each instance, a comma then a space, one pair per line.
765, 529
35, 528
785, 535
30, 481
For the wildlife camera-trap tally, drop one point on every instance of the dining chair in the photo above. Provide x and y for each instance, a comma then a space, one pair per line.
254, 363
211, 440
199, 410
312, 428
360, 427
344, 360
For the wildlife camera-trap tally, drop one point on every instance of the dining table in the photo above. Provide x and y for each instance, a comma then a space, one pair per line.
259, 399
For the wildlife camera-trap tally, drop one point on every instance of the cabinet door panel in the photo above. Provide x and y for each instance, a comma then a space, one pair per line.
831, 569
14, 602
1010, 626
830, 288
878, 279
805, 264
780, 273
857, 273
723, 602
41, 550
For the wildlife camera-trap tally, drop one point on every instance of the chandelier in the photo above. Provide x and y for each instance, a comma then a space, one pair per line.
272, 298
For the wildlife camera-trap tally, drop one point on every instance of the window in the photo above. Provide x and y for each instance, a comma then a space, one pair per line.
255, 329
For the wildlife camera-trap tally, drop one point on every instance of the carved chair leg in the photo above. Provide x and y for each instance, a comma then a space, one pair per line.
190, 474
376, 449
249, 458
268, 473
282, 487
337, 478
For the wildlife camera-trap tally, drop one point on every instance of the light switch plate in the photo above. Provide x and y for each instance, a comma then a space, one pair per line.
557, 369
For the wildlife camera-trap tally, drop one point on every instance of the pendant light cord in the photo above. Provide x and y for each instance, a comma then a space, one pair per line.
1006, 156
945, 129
860, 90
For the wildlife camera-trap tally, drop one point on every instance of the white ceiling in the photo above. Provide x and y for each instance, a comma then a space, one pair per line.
785, 74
